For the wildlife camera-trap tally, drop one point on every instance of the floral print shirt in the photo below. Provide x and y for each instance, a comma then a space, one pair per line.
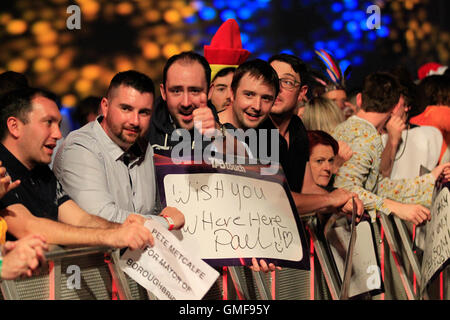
361, 173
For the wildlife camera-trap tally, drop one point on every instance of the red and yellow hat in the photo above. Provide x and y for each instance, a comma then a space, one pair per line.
225, 49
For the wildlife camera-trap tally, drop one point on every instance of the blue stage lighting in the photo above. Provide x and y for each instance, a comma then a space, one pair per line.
357, 34
382, 32
191, 19
357, 60
249, 27
244, 38
344, 65
337, 7
371, 35
351, 4
236, 3
319, 45
332, 45
352, 26
359, 16
287, 51
244, 13
207, 13
264, 56
307, 55
337, 25
340, 53
227, 14
219, 4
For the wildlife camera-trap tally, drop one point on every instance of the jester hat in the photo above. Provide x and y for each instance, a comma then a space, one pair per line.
225, 49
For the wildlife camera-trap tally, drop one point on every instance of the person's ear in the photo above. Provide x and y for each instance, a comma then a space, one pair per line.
104, 106
211, 87
359, 100
163, 92
14, 126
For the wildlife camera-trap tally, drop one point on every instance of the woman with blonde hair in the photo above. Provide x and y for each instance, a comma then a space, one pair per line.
322, 114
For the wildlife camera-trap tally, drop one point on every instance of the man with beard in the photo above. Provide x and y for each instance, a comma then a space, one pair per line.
107, 165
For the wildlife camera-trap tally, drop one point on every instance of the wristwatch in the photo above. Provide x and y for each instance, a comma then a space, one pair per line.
170, 222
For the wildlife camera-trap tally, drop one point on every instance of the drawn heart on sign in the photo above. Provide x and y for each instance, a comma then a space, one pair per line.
288, 238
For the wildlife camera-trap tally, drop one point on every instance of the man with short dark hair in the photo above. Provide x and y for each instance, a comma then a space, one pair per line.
107, 165
186, 79
29, 129
254, 88
293, 140
220, 89
406, 198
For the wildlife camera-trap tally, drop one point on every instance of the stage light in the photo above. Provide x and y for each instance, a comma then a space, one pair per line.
264, 56
18, 65
16, 27
319, 45
42, 65
339, 53
124, 8
172, 16
382, 32
352, 26
357, 60
207, 13
337, 7
152, 15
307, 55
351, 4
219, 4
344, 65
90, 71
69, 100
337, 25
244, 13
287, 51
170, 49
244, 38
332, 45
227, 14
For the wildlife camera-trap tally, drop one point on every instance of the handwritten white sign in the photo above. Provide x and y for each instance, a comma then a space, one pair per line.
168, 270
230, 216
437, 240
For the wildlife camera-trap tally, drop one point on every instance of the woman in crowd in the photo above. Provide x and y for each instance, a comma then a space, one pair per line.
323, 114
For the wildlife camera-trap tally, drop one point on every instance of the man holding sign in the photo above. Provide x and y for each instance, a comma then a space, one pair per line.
259, 80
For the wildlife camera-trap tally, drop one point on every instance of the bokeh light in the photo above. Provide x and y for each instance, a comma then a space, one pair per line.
122, 35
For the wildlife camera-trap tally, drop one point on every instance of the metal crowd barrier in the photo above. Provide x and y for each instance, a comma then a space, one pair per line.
102, 279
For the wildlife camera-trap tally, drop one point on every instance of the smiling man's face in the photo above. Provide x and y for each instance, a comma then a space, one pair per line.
184, 87
252, 102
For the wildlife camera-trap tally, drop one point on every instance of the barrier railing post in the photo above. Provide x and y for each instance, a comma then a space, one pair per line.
327, 269
408, 287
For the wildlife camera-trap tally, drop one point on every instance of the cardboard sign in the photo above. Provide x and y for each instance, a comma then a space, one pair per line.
168, 270
233, 213
437, 239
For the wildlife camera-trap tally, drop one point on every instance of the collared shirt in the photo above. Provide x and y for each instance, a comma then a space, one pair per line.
39, 190
102, 178
361, 173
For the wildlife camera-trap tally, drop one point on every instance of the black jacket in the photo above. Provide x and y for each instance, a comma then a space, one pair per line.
162, 126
